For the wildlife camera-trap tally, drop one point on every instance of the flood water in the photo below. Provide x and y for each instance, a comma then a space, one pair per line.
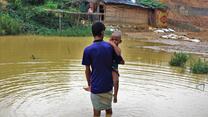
43, 77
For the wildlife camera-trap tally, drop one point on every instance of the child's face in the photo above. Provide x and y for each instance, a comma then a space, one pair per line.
116, 40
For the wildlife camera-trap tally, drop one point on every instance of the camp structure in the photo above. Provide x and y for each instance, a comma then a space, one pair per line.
120, 12
126, 12
123, 13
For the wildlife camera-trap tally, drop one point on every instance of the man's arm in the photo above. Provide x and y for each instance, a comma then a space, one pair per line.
116, 48
88, 74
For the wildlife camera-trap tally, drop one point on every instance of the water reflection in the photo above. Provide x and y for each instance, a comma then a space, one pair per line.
42, 76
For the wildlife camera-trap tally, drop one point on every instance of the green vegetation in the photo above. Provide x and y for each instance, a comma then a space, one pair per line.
31, 17
199, 67
179, 59
152, 4
9, 25
51, 5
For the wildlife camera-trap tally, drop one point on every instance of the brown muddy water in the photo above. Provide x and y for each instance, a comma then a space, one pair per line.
43, 77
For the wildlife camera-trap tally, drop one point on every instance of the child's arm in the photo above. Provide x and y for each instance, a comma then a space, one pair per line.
116, 48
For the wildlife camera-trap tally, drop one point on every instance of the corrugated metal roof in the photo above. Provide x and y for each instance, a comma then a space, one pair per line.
124, 2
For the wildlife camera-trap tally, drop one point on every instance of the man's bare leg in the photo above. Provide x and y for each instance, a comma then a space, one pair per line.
96, 113
109, 113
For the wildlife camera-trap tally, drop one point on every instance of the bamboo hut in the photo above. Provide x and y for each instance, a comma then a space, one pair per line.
120, 12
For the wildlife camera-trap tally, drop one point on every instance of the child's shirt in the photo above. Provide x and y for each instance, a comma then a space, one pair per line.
116, 62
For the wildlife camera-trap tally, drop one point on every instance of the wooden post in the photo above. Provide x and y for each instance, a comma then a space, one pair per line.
60, 21
78, 19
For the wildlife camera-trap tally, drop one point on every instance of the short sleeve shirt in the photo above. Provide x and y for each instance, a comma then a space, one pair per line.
99, 56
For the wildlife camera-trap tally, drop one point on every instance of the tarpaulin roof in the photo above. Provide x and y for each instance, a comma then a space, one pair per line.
124, 2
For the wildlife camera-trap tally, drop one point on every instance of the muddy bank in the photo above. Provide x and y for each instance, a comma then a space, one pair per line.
174, 45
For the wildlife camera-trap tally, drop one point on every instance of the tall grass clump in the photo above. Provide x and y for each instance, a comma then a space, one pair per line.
179, 59
199, 67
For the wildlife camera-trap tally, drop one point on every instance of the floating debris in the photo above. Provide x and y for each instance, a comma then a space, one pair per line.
170, 36
175, 37
159, 31
195, 40
171, 30
164, 30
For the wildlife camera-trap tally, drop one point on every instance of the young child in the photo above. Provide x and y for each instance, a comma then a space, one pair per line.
115, 40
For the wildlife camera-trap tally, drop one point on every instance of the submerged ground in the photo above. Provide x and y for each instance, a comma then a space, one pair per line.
43, 77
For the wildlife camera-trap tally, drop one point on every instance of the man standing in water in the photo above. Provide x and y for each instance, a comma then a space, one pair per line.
97, 59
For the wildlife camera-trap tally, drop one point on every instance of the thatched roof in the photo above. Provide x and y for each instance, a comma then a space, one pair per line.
124, 2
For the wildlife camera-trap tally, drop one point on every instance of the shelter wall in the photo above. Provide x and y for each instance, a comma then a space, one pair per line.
122, 14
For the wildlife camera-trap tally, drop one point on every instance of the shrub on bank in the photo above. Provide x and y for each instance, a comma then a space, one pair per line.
9, 25
31, 17
179, 59
199, 67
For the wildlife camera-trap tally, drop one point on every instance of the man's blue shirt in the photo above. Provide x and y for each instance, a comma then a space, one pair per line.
99, 56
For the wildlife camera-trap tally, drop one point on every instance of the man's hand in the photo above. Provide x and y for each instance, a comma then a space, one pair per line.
112, 43
87, 88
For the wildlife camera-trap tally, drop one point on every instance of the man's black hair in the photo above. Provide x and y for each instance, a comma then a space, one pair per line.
98, 28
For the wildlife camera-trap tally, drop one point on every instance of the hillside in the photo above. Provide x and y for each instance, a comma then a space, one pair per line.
188, 14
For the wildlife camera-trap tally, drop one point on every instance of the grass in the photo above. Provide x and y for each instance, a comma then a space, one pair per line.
199, 67
179, 59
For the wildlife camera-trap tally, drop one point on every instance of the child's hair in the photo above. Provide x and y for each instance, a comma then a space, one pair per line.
117, 34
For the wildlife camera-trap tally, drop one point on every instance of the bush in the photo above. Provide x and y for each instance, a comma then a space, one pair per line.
199, 67
9, 25
179, 59
51, 5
